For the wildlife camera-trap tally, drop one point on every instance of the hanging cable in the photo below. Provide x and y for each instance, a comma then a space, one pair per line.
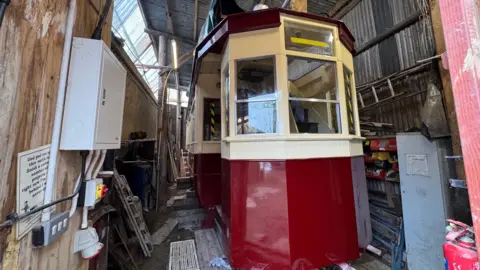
14, 218
97, 33
285, 4
3, 8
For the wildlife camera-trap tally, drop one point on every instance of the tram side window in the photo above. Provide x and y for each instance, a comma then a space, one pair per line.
313, 96
256, 98
212, 119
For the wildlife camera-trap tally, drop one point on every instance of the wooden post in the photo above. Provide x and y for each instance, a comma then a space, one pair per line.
161, 159
462, 39
461, 210
447, 84
299, 5
178, 123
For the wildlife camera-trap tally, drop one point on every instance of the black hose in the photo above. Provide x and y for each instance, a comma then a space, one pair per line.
97, 33
3, 7
13, 218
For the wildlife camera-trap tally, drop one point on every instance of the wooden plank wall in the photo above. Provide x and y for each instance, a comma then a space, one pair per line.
140, 112
32, 37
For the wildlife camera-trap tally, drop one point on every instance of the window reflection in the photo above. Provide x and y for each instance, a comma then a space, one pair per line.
313, 98
308, 39
256, 101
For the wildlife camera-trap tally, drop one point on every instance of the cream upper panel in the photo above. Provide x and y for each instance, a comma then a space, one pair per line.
255, 44
271, 42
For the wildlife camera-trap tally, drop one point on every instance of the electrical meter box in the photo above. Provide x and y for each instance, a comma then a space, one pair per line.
94, 101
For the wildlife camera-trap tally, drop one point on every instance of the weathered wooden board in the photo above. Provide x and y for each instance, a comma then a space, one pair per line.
159, 236
208, 248
32, 35
140, 111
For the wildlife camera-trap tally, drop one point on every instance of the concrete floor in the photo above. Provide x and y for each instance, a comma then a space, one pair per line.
183, 231
368, 262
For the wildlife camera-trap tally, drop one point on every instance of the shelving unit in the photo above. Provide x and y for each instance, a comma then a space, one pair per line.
383, 183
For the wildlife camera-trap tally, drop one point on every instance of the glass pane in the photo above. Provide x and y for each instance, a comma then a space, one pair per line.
347, 75
314, 117
308, 39
226, 100
256, 79
211, 119
311, 78
257, 117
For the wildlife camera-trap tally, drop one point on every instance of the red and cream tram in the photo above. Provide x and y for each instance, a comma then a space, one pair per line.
273, 126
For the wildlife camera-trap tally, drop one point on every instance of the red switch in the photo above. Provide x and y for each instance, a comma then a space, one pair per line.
104, 190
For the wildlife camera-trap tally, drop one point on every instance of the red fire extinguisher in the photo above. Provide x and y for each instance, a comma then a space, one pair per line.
460, 250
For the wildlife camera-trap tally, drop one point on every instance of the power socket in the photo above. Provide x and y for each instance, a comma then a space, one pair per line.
47, 232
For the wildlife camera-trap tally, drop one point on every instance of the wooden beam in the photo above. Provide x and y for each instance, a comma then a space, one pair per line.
161, 147
158, 33
299, 5
195, 20
342, 8
437, 28
185, 57
169, 18
338, 6
415, 17
461, 35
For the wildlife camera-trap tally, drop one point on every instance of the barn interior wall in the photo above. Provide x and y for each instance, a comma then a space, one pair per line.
370, 18
32, 35
367, 20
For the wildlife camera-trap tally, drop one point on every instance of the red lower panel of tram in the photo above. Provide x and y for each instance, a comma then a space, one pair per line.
289, 214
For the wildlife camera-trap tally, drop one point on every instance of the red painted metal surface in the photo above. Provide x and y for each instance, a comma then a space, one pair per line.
289, 214
462, 37
208, 183
459, 249
321, 210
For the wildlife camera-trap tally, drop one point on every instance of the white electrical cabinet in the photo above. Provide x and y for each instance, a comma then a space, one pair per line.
94, 101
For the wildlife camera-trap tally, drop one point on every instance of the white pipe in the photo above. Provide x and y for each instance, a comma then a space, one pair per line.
73, 208
96, 155
98, 159
62, 83
84, 218
100, 164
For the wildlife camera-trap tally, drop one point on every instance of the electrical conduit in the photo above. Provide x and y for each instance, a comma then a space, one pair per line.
98, 159
59, 109
73, 208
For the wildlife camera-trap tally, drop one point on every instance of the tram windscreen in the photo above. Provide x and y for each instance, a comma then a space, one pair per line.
313, 96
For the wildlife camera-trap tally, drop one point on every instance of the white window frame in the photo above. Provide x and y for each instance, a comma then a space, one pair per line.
237, 101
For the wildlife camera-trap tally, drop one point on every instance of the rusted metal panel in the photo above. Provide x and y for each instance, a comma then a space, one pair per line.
462, 36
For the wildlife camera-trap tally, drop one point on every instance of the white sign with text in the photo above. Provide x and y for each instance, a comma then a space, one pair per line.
32, 168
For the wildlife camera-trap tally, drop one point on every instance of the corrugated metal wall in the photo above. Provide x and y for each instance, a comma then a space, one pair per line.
371, 18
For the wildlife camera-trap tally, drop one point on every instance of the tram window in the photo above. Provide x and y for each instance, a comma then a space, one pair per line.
313, 96
211, 119
256, 99
308, 39
347, 76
